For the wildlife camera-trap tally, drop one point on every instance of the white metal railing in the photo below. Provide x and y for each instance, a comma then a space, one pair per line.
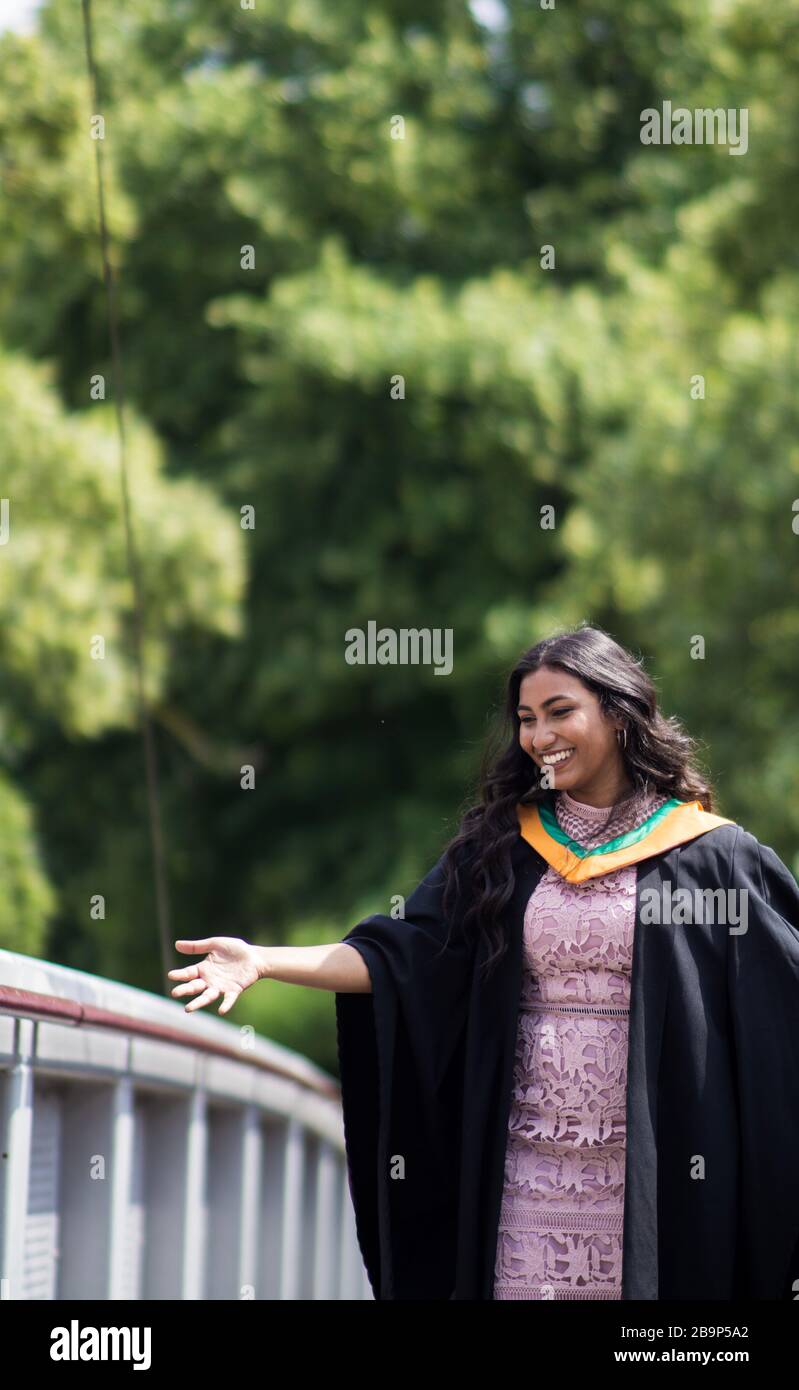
151, 1154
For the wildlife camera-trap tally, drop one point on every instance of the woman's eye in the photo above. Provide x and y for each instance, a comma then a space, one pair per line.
557, 713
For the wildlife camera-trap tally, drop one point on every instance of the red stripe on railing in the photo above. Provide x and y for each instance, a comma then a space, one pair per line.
54, 1009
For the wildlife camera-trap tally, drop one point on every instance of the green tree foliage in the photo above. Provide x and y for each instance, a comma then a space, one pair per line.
65, 638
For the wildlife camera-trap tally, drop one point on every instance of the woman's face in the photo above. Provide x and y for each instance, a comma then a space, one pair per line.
558, 713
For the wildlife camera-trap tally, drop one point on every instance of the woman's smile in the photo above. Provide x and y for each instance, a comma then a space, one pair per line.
558, 758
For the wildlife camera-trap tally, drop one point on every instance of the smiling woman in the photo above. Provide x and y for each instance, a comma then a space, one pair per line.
582, 1096
549, 1090
562, 726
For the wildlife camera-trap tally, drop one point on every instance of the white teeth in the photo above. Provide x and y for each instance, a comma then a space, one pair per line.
551, 758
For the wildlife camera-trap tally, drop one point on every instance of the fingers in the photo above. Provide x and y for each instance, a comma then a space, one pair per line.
193, 987
188, 972
210, 995
190, 948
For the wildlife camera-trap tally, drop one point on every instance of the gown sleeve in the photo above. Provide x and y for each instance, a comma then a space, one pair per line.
763, 986
401, 1056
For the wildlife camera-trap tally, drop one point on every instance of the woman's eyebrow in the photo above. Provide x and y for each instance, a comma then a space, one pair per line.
544, 703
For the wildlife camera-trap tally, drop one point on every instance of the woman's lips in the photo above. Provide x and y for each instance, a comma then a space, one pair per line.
561, 762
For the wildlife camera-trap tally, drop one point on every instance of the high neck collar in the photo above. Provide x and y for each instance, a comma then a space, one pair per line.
581, 808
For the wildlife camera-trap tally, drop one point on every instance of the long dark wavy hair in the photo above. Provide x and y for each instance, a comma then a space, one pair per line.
659, 757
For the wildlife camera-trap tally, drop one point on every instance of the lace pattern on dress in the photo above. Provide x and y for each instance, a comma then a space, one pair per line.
561, 1220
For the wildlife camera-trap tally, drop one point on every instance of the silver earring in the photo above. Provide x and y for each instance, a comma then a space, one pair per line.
624, 731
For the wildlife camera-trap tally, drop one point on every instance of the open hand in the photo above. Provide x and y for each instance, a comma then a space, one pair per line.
228, 969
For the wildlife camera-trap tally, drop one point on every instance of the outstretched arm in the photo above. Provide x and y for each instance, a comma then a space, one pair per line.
337, 966
232, 965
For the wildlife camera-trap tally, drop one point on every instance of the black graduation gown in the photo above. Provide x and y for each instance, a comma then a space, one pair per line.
426, 1063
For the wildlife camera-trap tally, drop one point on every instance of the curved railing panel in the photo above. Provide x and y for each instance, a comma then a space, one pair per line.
151, 1154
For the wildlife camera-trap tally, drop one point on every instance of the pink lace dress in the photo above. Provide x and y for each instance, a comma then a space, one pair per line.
561, 1220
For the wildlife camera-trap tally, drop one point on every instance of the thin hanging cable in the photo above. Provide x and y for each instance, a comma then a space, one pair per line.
150, 758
